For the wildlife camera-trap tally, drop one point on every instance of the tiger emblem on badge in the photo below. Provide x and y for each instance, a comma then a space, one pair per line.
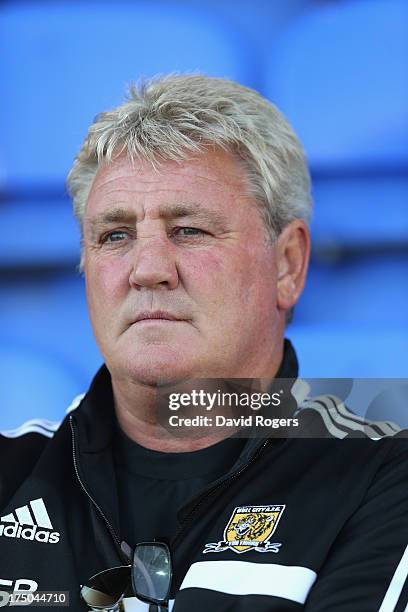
250, 528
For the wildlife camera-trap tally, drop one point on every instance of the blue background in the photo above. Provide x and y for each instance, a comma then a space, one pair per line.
338, 70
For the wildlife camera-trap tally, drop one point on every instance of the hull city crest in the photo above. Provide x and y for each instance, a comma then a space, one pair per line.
249, 528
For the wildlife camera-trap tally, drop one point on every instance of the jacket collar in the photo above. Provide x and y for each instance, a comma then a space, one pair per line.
283, 381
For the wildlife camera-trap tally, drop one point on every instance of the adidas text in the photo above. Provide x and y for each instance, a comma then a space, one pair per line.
29, 533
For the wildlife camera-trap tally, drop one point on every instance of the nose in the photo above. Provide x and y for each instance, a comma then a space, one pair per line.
153, 263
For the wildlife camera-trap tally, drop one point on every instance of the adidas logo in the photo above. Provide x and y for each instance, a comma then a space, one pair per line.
29, 522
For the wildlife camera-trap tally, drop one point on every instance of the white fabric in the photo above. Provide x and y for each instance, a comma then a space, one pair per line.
243, 578
396, 585
131, 604
41, 426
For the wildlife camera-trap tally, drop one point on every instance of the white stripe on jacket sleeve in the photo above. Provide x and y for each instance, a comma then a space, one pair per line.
243, 578
396, 585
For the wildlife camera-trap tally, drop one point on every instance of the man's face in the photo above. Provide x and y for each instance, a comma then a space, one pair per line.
185, 244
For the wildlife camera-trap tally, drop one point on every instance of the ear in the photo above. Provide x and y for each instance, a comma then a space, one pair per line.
293, 251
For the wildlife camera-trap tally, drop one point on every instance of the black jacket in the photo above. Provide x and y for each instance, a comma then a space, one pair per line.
337, 514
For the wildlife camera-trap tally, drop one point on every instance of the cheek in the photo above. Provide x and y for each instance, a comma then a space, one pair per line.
261, 290
202, 274
252, 283
226, 282
236, 271
106, 282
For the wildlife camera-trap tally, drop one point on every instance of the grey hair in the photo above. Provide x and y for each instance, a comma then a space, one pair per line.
176, 117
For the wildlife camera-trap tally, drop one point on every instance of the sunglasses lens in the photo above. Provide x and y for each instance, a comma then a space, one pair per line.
107, 588
151, 571
97, 600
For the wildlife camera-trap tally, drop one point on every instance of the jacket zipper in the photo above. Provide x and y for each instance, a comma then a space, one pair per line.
218, 486
95, 504
192, 512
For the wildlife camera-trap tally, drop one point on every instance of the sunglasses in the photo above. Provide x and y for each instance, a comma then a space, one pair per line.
149, 575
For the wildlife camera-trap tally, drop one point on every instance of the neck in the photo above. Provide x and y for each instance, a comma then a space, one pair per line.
138, 413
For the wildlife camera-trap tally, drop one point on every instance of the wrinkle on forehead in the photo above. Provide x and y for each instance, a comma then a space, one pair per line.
216, 168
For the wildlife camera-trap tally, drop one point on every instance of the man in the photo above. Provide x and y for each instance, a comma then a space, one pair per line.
193, 202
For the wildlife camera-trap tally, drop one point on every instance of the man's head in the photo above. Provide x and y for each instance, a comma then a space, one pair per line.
192, 199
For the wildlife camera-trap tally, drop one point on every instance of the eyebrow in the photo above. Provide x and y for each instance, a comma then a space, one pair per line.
122, 215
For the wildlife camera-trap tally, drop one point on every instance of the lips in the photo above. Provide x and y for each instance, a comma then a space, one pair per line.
157, 314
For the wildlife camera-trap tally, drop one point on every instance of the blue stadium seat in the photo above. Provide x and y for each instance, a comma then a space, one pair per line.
348, 351
340, 73
49, 312
368, 291
64, 62
361, 211
259, 22
39, 234
34, 383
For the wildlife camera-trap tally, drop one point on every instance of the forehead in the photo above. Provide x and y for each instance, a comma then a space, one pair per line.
215, 180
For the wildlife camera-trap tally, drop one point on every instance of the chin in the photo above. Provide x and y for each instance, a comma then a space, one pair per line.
157, 368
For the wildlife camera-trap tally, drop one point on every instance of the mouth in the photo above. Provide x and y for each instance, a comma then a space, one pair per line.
156, 317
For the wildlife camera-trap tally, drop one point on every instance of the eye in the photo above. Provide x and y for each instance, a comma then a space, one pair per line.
115, 236
186, 232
